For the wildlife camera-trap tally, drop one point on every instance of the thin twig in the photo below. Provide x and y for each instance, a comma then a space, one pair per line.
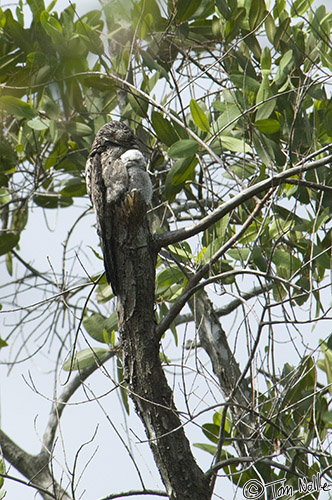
165, 239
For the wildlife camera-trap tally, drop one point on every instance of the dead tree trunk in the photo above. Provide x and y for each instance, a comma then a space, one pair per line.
153, 398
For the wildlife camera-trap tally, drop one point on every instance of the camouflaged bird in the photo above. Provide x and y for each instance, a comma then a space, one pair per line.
116, 178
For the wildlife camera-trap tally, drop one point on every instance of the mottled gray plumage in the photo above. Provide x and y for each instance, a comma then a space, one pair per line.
115, 173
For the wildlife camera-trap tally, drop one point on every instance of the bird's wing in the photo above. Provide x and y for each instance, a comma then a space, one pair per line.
115, 177
97, 189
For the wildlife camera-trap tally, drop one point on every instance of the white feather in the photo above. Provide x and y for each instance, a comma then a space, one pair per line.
139, 179
132, 158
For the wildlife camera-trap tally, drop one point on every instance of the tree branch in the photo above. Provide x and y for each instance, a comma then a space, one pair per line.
32, 269
230, 307
29, 484
214, 341
194, 280
36, 467
60, 404
165, 239
153, 398
131, 493
33, 467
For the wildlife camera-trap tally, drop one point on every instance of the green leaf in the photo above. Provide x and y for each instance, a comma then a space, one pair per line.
244, 82
17, 107
47, 200
4, 196
183, 149
9, 263
266, 61
241, 169
57, 154
211, 248
52, 27
250, 234
211, 431
168, 277
281, 33
234, 23
182, 251
300, 7
279, 227
222, 225
223, 8
199, 116
91, 38
36, 5
253, 44
285, 65
240, 254
50, 6
257, 13
8, 241
233, 144
20, 218
3, 181
229, 114
151, 63
38, 124
74, 187
270, 28
206, 447
111, 323
16, 32
3, 343
287, 264
8, 61
259, 259
2, 479
264, 150
326, 363
79, 129
85, 358
185, 9
264, 109
96, 325
268, 126
164, 129
182, 171
329, 346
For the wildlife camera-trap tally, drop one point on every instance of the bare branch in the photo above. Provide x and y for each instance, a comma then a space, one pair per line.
194, 280
29, 484
230, 307
165, 239
132, 493
33, 467
32, 269
60, 404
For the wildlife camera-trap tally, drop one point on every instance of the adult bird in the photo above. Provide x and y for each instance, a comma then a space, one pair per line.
116, 180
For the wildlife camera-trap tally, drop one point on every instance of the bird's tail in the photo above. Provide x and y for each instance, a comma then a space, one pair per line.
110, 265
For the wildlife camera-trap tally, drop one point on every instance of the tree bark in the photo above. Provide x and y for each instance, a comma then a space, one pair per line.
147, 382
236, 392
34, 467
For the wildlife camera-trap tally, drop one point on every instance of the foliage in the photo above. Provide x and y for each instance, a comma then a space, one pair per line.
224, 94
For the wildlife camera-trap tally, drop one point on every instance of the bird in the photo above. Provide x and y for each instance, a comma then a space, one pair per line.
116, 180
